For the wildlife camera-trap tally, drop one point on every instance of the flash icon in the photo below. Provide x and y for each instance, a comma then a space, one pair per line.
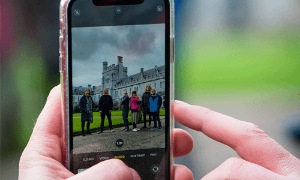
159, 8
76, 12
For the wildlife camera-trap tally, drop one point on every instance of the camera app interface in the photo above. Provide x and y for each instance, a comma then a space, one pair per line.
118, 86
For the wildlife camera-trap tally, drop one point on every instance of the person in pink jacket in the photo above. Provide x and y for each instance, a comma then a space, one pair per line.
135, 108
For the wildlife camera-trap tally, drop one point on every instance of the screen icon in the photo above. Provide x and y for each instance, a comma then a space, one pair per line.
76, 12
119, 143
159, 8
155, 169
118, 10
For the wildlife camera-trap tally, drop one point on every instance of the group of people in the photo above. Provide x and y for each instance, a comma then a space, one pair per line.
149, 104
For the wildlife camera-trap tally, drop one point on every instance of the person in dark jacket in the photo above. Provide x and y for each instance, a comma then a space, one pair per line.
105, 107
86, 108
145, 102
125, 110
155, 102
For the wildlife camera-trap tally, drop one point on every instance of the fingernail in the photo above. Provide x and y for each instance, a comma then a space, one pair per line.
181, 102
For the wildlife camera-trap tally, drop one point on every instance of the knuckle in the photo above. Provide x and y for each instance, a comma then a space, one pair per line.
253, 130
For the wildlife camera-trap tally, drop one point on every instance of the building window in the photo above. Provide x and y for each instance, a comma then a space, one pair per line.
160, 85
154, 85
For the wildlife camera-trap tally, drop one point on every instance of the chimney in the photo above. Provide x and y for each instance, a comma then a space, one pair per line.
120, 59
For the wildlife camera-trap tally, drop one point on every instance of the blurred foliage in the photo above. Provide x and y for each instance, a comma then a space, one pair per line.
235, 62
32, 83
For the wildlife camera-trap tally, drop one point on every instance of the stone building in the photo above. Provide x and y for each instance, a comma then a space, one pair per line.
78, 92
116, 80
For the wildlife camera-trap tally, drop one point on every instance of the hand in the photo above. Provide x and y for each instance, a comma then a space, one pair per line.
100, 112
42, 157
262, 157
109, 111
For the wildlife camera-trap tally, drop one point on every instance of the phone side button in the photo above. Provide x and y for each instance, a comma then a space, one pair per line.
60, 55
172, 49
60, 65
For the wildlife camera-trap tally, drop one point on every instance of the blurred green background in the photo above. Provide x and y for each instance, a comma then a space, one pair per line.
240, 58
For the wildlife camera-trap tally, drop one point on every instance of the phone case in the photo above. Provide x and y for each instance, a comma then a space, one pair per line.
64, 79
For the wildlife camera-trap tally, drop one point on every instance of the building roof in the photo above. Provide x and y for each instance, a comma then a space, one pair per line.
149, 73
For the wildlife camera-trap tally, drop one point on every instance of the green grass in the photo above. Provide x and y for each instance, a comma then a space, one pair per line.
95, 126
115, 113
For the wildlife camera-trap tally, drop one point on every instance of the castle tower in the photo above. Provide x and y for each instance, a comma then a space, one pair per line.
104, 65
121, 72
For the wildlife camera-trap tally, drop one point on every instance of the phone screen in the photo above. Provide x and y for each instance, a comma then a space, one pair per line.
119, 75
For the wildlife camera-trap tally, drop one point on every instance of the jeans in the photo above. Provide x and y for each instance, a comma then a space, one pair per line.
155, 116
88, 127
144, 114
125, 119
103, 113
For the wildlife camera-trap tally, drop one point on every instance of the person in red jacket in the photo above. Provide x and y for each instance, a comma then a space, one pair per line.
135, 108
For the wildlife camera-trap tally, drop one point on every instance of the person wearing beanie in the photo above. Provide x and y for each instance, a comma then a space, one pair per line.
86, 108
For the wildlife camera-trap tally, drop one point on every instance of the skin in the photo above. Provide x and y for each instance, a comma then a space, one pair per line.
88, 92
125, 93
42, 157
261, 157
152, 92
148, 88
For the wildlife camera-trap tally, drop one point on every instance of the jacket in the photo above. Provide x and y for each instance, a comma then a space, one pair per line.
85, 115
145, 102
135, 103
125, 103
105, 103
155, 103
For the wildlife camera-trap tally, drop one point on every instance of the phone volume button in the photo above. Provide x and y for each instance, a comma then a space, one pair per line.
172, 49
60, 54
60, 65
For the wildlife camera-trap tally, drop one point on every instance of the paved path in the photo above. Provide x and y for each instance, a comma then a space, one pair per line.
106, 141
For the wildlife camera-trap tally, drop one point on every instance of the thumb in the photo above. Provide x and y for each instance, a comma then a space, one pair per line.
235, 168
113, 169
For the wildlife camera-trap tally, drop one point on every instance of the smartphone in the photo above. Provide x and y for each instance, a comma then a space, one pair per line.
116, 65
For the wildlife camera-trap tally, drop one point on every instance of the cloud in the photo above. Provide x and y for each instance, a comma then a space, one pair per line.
142, 46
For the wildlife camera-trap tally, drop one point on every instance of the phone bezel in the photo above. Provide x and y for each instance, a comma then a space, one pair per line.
66, 55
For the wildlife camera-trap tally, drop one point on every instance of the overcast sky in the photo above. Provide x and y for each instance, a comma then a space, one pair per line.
142, 46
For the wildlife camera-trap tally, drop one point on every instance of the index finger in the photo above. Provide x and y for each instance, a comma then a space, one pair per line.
250, 142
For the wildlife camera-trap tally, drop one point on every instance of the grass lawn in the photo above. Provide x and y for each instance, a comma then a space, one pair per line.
115, 113
95, 126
